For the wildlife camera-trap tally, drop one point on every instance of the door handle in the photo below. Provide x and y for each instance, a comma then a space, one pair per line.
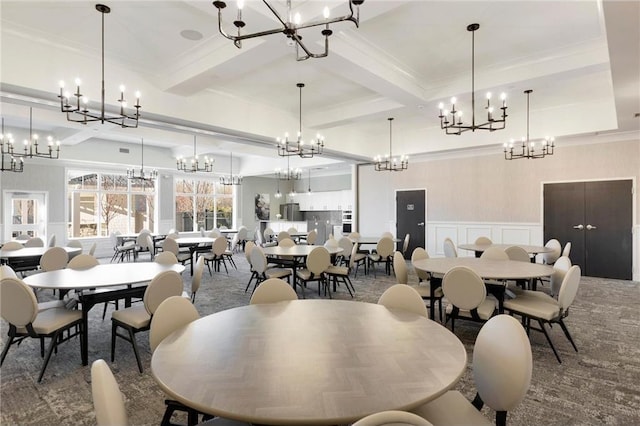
590, 227
580, 227
421, 224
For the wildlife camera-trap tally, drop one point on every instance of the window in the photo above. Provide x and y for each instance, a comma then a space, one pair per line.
102, 203
202, 204
25, 213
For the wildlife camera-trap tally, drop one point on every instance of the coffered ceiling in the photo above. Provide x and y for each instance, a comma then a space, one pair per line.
581, 58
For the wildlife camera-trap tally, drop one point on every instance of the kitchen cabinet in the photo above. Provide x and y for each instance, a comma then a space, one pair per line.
326, 200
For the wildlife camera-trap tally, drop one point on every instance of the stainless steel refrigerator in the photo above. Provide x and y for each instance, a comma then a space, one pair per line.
291, 212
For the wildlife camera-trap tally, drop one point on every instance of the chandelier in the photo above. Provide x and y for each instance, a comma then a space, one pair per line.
78, 111
288, 148
278, 194
390, 163
231, 180
451, 120
31, 147
194, 165
288, 173
309, 188
11, 163
528, 149
141, 175
290, 24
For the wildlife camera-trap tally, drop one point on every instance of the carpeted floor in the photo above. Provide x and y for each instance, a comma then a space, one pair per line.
598, 385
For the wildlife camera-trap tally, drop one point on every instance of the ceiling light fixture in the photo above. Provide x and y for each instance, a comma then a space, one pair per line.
528, 148
451, 120
309, 189
126, 117
231, 180
290, 25
288, 148
390, 163
31, 147
195, 165
288, 173
11, 163
142, 175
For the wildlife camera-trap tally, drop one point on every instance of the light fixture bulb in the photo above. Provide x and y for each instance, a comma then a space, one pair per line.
326, 12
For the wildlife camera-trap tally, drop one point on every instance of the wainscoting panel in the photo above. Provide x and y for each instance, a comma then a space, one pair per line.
440, 233
474, 232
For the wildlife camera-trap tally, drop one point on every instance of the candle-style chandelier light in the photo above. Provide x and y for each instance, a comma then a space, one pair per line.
451, 120
9, 162
231, 179
389, 163
78, 111
194, 165
528, 148
287, 148
141, 175
289, 173
290, 25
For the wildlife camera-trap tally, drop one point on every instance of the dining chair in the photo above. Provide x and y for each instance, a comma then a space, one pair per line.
273, 290
54, 258
384, 251
166, 257
7, 272
312, 236
173, 313
502, 366
517, 254
567, 249
214, 233
331, 242
386, 234
405, 244
354, 235
560, 269
138, 318
75, 244
23, 237
540, 307
424, 281
144, 243
551, 257
233, 247
120, 250
19, 308
318, 261
196, 280
86, 261
92, 249
170, 245
52, 241
242, 236
494, 253
402, 296
340, 274
35, 242
466, 293
392, 418
482, 241
282, 235
449, 248
261, 272
216, 255
12, 245
292, 230
108, 401
268, 235
346, 245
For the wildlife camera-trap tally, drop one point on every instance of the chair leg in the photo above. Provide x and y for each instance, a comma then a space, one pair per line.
135, 348
566, 333
544, 330
6, 348
52, 346
114, 327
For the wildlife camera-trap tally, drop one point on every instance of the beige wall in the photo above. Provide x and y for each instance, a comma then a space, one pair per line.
487, 188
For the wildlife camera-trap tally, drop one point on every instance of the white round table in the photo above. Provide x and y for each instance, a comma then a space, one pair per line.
531, 249
29, 257
312, 362
196, 244
109, 275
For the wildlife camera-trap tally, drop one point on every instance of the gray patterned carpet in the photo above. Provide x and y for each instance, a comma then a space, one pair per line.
598, 385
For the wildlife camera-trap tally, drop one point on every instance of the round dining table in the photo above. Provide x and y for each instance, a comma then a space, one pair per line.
28, 258
108, 275
196, 245
487, 269
308, 362
531, 249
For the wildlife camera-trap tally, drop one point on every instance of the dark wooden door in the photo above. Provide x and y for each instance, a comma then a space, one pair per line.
597, 218
411, 218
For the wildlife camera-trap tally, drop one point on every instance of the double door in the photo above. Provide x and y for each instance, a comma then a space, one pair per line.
596, 217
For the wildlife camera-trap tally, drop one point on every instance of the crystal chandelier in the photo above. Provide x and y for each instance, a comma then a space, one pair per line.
78, 111
231, 180
141, 175
290, 25
287, 148
194, 165
528, 149
451, 120
390, 163
31, 147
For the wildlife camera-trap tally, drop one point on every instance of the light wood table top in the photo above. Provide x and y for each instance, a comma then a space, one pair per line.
528, 248
33, 252
192, 241
297, 250
313, 362
108, 275
486, 268
371, 240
